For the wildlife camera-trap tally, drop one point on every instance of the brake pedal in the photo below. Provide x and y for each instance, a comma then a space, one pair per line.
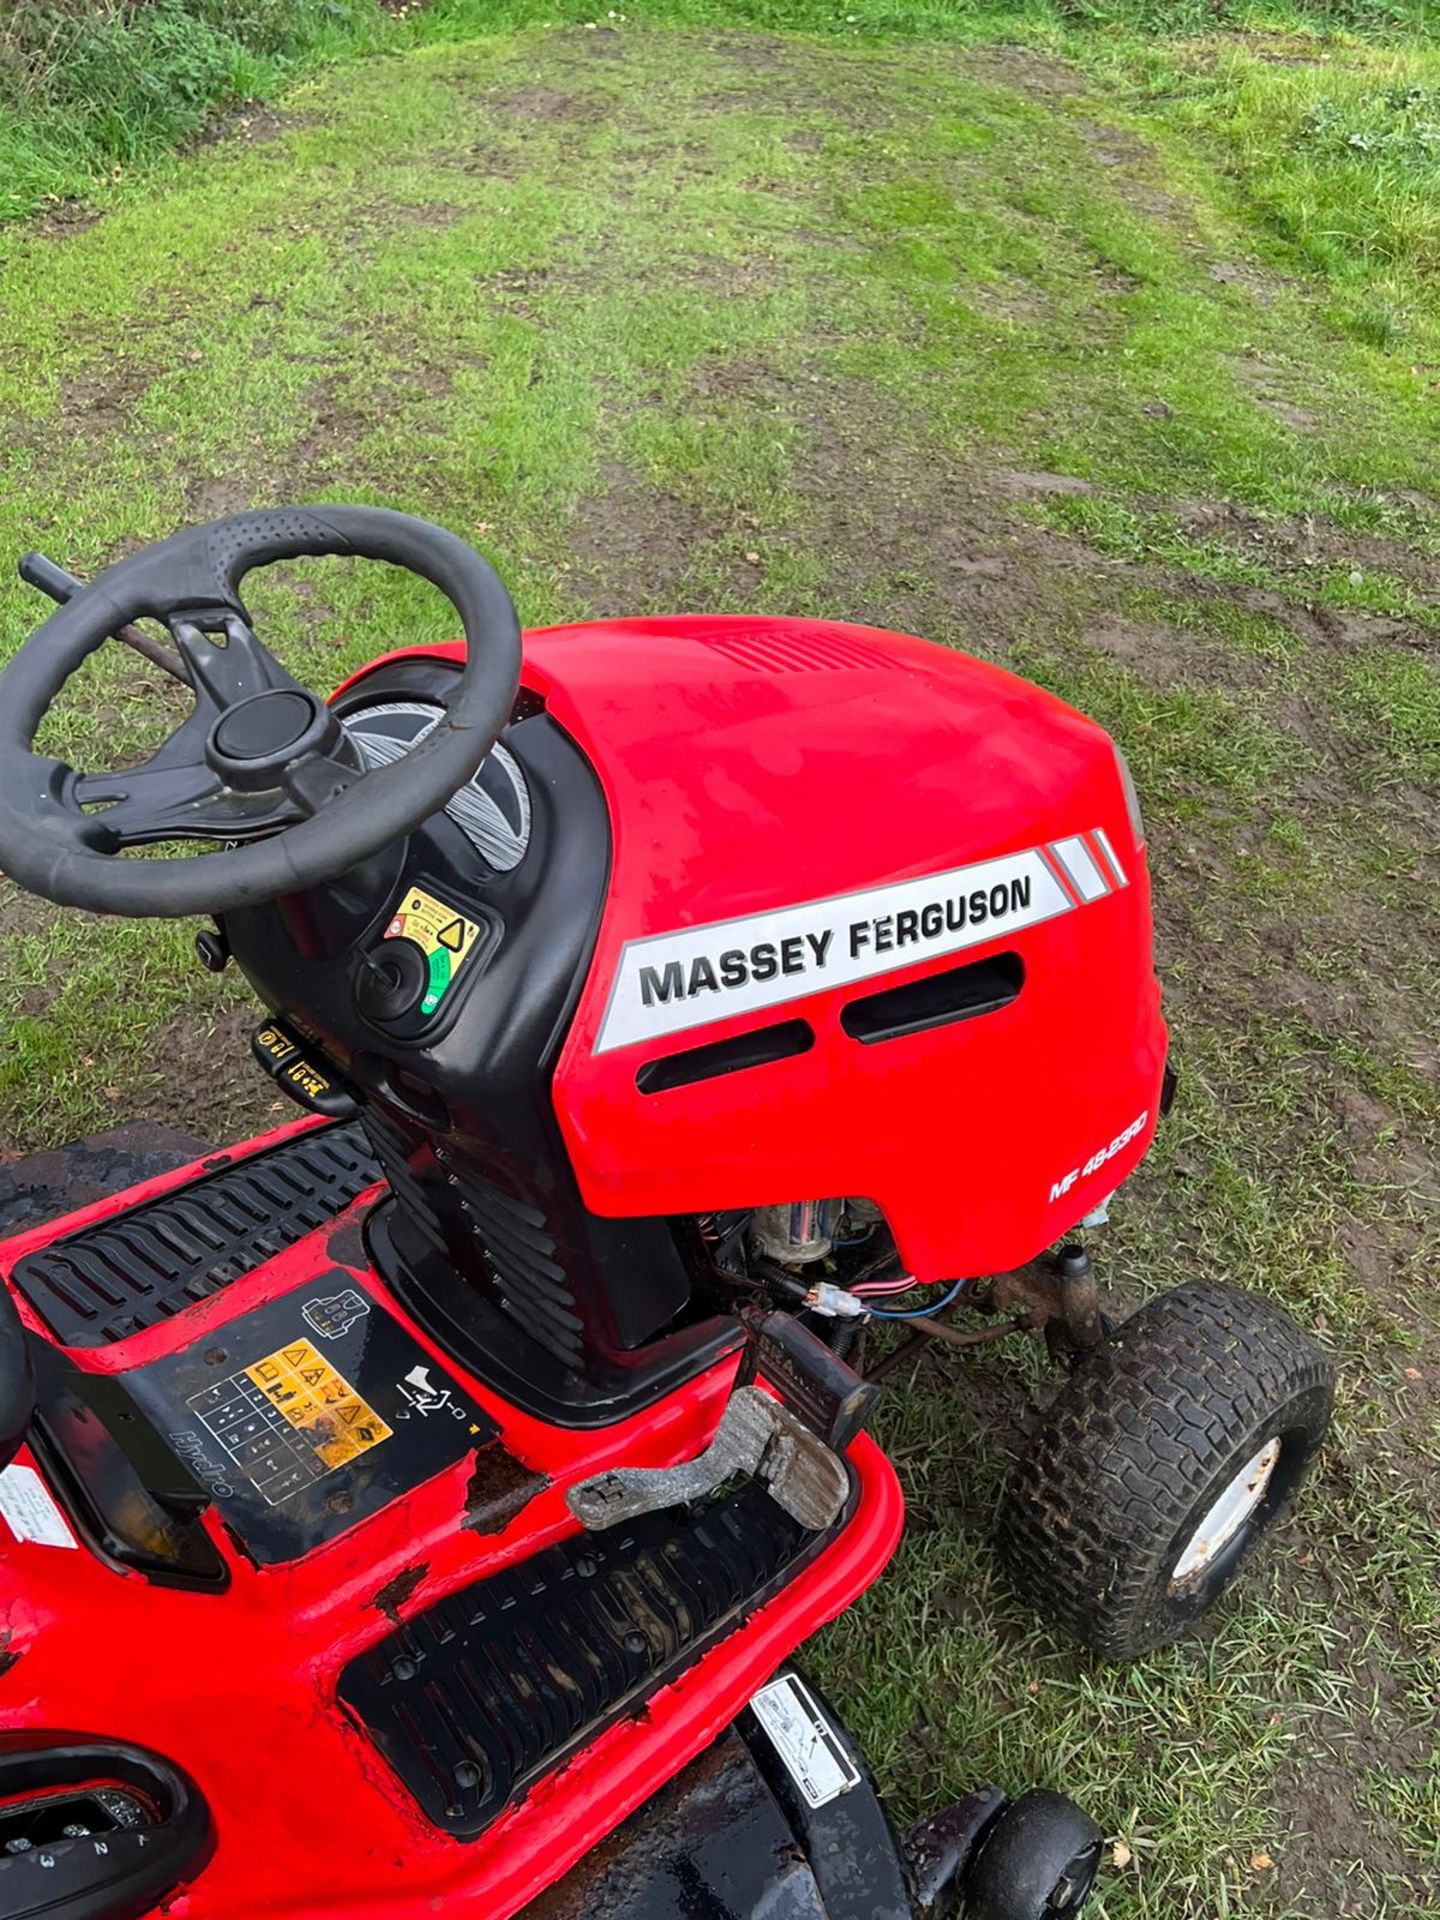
756, 1436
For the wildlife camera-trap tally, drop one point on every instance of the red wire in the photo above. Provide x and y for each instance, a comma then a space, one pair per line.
875, 1289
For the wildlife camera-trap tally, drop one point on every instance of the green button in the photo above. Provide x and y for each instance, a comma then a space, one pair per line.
439, 980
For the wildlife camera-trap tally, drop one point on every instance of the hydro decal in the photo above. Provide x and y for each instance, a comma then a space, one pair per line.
1059, 1188
674, 981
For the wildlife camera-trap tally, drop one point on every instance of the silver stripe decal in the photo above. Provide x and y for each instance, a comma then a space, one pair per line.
1109, 852
1080, 868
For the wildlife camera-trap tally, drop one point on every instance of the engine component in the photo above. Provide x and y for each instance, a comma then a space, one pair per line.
834, 1302
797, 1234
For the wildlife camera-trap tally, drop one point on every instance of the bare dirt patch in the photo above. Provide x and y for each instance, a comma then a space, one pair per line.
222, 1095
1271, 387
802, 80
218, 496
544, 106
482, 160
597, 42
1133, 165
254, 124
633, 545
104, 402
1160, 654
330, 444
69, 218
1324, 1799
732, 378
1311, 541
1348, 629
1249, 279
438, 215
1029, 485
926, 546
1026, 71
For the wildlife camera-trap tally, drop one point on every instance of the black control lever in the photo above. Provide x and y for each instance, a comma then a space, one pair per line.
58, 585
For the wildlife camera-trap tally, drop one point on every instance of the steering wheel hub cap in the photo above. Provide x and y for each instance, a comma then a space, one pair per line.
253, 742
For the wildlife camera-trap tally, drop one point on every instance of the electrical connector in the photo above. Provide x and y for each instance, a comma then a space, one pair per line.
834, 1302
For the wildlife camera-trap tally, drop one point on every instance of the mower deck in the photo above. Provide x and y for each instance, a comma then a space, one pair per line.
410, 1641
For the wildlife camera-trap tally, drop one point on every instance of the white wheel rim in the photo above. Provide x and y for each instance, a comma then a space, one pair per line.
1229, 1514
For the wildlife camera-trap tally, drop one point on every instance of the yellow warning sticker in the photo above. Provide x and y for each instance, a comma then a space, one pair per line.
445, 937
309, 1080
275, 1042
319, 1403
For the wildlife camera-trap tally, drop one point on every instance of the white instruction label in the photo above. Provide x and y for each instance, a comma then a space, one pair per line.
29, 1511
805, 1740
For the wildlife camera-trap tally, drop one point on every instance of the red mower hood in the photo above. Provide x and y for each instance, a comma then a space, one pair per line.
806, 816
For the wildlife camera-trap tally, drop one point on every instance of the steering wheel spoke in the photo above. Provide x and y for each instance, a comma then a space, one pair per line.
223, 675
314, 782
150, 802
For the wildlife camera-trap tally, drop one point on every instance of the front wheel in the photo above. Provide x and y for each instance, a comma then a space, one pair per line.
1160, 1465
1037, 1862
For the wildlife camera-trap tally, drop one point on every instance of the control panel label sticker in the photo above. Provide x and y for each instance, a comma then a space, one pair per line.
813, 1753
332, 1315
445, 937
30, 1512
274, 1042
313, 1084
288, 1420
306, 1415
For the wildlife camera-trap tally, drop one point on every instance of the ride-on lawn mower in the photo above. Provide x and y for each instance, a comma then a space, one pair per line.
415, 1510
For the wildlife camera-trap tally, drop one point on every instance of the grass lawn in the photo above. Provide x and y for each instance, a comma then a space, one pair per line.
1113, 358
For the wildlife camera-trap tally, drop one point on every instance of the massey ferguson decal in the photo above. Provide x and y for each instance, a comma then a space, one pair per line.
674, 981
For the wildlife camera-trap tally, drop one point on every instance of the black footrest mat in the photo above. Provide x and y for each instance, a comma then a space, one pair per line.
473, 1700
151, 1262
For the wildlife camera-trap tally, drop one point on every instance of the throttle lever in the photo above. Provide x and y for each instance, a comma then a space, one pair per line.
58, 585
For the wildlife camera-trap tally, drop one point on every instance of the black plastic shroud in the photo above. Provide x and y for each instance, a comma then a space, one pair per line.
487, 1240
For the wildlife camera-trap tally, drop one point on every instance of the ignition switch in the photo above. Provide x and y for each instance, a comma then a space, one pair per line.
392, 980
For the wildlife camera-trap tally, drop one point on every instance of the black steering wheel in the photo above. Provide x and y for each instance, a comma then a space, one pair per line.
17, 1379
261, 760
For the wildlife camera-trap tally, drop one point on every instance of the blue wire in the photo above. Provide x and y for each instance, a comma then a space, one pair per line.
918, 1313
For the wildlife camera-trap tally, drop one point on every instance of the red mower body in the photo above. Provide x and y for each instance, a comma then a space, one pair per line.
876, 924
239, 1688
804, 815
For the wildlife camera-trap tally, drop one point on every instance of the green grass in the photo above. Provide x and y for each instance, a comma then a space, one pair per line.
1055, 362
88, 88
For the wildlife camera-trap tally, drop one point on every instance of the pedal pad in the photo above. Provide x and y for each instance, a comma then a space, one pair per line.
757, 1436
302, 1071
811, 1379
